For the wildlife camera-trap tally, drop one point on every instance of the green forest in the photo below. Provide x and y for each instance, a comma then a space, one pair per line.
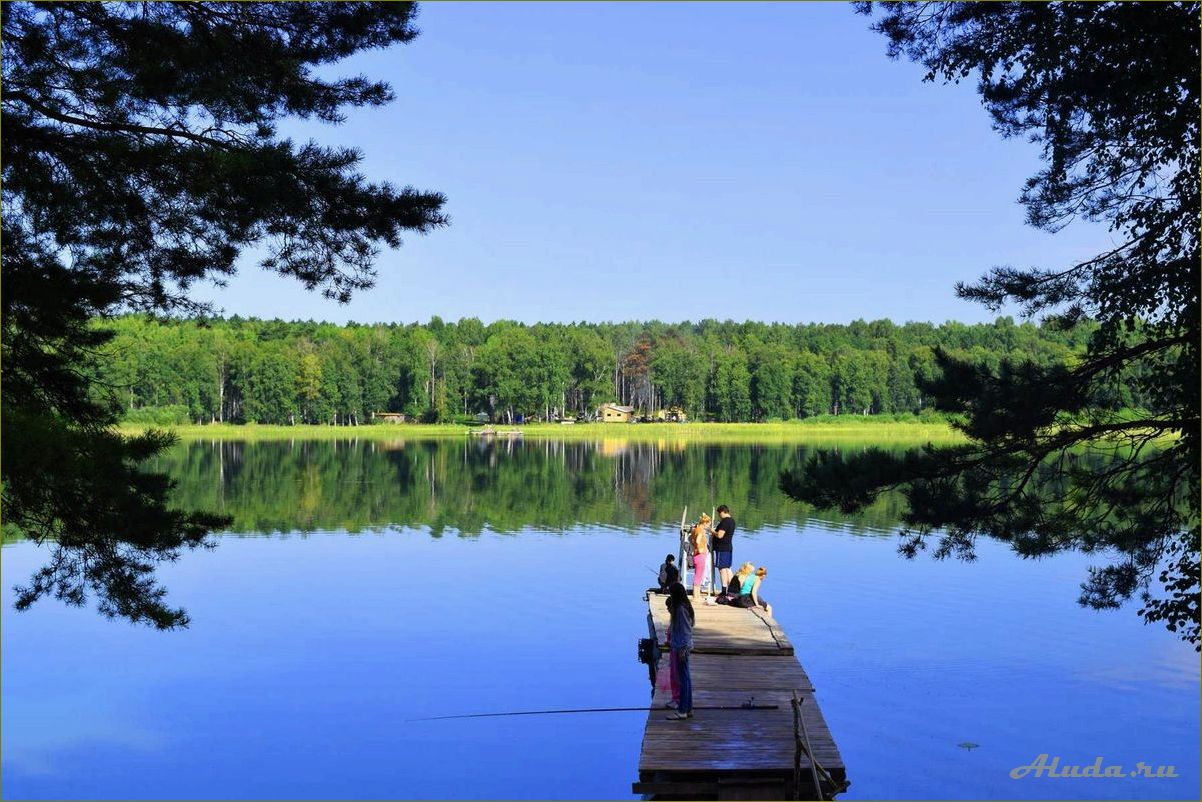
172, 371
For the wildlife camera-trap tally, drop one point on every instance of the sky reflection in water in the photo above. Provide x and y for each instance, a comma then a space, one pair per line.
311, 653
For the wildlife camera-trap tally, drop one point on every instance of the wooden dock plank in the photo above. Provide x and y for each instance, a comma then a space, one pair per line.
746, 672
723, 629
752, 739
739, 654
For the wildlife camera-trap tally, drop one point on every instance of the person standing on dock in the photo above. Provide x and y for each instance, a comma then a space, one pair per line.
680, 643
699, 539
723, 545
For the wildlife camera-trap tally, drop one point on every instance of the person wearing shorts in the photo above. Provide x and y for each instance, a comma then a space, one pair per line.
721, 543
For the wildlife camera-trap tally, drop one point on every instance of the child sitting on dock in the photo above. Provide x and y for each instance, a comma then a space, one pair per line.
731, 596
749, 590
669, 574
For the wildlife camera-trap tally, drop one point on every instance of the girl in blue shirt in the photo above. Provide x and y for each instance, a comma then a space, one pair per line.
680, 641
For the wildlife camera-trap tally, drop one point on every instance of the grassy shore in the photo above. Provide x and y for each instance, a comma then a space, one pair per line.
832, 428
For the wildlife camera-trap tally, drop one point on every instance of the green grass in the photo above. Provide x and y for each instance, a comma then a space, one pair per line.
827, 428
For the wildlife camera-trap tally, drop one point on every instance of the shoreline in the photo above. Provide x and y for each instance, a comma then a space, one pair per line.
825, 429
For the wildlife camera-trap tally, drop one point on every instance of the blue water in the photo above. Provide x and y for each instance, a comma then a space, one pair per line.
311, 656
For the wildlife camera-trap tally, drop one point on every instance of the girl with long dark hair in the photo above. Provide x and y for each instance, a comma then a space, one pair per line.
680, 642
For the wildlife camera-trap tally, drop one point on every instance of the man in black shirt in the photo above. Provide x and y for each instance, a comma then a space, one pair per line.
722, 546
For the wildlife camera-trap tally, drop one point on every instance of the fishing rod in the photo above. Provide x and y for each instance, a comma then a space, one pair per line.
748, 705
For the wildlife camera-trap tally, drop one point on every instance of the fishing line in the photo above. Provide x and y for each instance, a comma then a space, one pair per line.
744, 706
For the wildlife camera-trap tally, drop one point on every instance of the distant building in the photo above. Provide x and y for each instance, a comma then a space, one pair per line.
614, 413
671, 415
388, 417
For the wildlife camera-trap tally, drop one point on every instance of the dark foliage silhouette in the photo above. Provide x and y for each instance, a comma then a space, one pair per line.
140, 155
1110, 93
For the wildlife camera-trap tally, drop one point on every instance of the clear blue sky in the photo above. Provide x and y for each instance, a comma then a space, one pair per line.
676, 161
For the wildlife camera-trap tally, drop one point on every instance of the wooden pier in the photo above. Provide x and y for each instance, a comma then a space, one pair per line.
740, 656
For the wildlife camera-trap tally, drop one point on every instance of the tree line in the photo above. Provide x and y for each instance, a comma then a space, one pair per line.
238, 370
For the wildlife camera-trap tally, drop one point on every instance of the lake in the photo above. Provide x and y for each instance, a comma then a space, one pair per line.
365, 586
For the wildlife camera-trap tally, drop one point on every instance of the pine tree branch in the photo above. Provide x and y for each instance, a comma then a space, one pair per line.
124, 128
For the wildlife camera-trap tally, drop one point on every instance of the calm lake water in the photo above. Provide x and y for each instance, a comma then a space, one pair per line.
365, 586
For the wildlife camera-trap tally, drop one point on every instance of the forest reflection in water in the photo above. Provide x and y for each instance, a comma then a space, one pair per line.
312, 654
464, 487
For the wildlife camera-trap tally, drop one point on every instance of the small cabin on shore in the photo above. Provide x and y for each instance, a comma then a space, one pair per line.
388, 417
614, 413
